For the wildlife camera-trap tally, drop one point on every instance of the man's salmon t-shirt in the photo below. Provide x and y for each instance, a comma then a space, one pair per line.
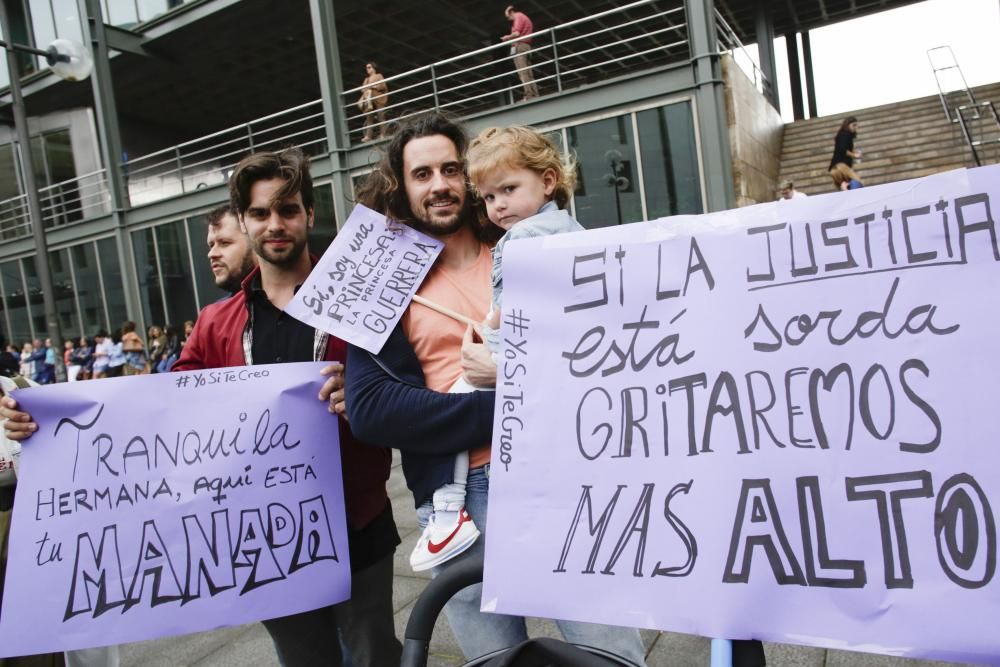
437, 338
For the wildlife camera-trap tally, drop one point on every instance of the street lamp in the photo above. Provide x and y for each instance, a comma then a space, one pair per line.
70, 61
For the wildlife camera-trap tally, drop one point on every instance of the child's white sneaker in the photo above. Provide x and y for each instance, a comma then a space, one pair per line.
442, 542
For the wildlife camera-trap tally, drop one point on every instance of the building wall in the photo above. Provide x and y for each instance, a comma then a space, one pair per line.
755, 134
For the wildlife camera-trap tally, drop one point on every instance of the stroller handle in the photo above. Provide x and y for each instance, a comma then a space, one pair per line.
463, 573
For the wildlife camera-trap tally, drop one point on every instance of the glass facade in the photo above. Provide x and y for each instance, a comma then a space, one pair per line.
18, 319
639, 165
636, 165
89, 293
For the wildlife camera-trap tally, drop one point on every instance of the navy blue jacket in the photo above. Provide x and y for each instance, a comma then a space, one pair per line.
389, 405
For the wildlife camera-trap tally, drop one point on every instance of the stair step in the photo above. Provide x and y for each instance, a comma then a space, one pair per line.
901, 140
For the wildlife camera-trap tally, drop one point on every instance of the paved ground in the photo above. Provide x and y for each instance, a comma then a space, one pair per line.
250, 646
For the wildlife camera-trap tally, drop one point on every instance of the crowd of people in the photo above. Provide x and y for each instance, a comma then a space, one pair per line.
121, 352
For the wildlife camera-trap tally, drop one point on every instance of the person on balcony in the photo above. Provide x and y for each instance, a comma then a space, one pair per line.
373, 100
521, 49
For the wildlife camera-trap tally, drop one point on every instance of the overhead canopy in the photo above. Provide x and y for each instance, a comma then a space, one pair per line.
789, 16
222, 63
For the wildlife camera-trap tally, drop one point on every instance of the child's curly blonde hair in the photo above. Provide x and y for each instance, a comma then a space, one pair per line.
520, 148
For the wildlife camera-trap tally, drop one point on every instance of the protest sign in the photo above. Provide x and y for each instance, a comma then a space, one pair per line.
365, 280
172, 503
775, 422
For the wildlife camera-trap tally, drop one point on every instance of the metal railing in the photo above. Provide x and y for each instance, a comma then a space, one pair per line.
729, 42
975, 137
62, 204
208, 160
632, 37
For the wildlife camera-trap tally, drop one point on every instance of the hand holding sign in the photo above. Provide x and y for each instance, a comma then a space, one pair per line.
218, 503
365, 280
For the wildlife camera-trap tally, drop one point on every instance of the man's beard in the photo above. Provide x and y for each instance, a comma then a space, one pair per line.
443, 228
283, 260
234, 279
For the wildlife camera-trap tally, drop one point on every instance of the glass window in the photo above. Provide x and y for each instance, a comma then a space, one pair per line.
67, 19
149, 278
669, 161
607, 193
325, 223
88, 288
8, 176
114, 283
17, 309
175, 272
61, 203
41, 22
36, 306
62, 285
207, 291
150, 9
120, 13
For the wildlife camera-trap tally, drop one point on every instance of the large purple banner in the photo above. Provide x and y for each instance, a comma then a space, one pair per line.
173, 503
776, 422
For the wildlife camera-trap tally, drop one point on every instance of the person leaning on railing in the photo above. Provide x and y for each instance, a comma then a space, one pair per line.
374, 98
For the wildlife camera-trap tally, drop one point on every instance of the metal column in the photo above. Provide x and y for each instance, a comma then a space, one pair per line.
34, 204
807, 64
794, 74
331, 86
710, 98
106, 115
765, 51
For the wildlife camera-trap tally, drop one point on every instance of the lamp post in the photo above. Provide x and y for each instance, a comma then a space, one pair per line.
70, 63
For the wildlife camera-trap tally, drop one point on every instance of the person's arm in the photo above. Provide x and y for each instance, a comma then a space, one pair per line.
387, 412
379, 86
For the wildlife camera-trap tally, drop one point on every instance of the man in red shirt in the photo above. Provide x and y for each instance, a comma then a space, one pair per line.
521, 49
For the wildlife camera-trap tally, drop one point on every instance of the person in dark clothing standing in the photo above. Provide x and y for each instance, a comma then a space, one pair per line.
844, 154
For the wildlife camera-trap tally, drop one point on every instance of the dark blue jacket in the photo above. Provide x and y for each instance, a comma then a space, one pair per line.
389, 405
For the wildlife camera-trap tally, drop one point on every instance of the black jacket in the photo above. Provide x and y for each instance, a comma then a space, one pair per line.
389, 405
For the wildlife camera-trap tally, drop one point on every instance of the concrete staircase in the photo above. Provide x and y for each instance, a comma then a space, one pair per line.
902, 140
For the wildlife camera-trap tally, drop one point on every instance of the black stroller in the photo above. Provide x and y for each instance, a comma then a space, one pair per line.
542, 652
532, 653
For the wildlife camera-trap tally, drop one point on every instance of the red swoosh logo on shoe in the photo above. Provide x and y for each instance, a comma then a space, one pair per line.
434, 548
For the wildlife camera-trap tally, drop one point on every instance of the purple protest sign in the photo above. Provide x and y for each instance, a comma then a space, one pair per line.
775, 422
172, 503
365, 280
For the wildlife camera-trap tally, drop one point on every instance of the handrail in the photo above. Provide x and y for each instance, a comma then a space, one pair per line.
580, 51
533, 35
242, 126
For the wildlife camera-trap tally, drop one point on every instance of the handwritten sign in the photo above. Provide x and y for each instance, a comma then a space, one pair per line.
172, 503
776, 422
364, 282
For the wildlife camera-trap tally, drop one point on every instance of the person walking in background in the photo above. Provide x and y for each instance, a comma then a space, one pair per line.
72, 368
374, 98
135, 351
157, 343
83, 356
116, 355
844, 154
520, 48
